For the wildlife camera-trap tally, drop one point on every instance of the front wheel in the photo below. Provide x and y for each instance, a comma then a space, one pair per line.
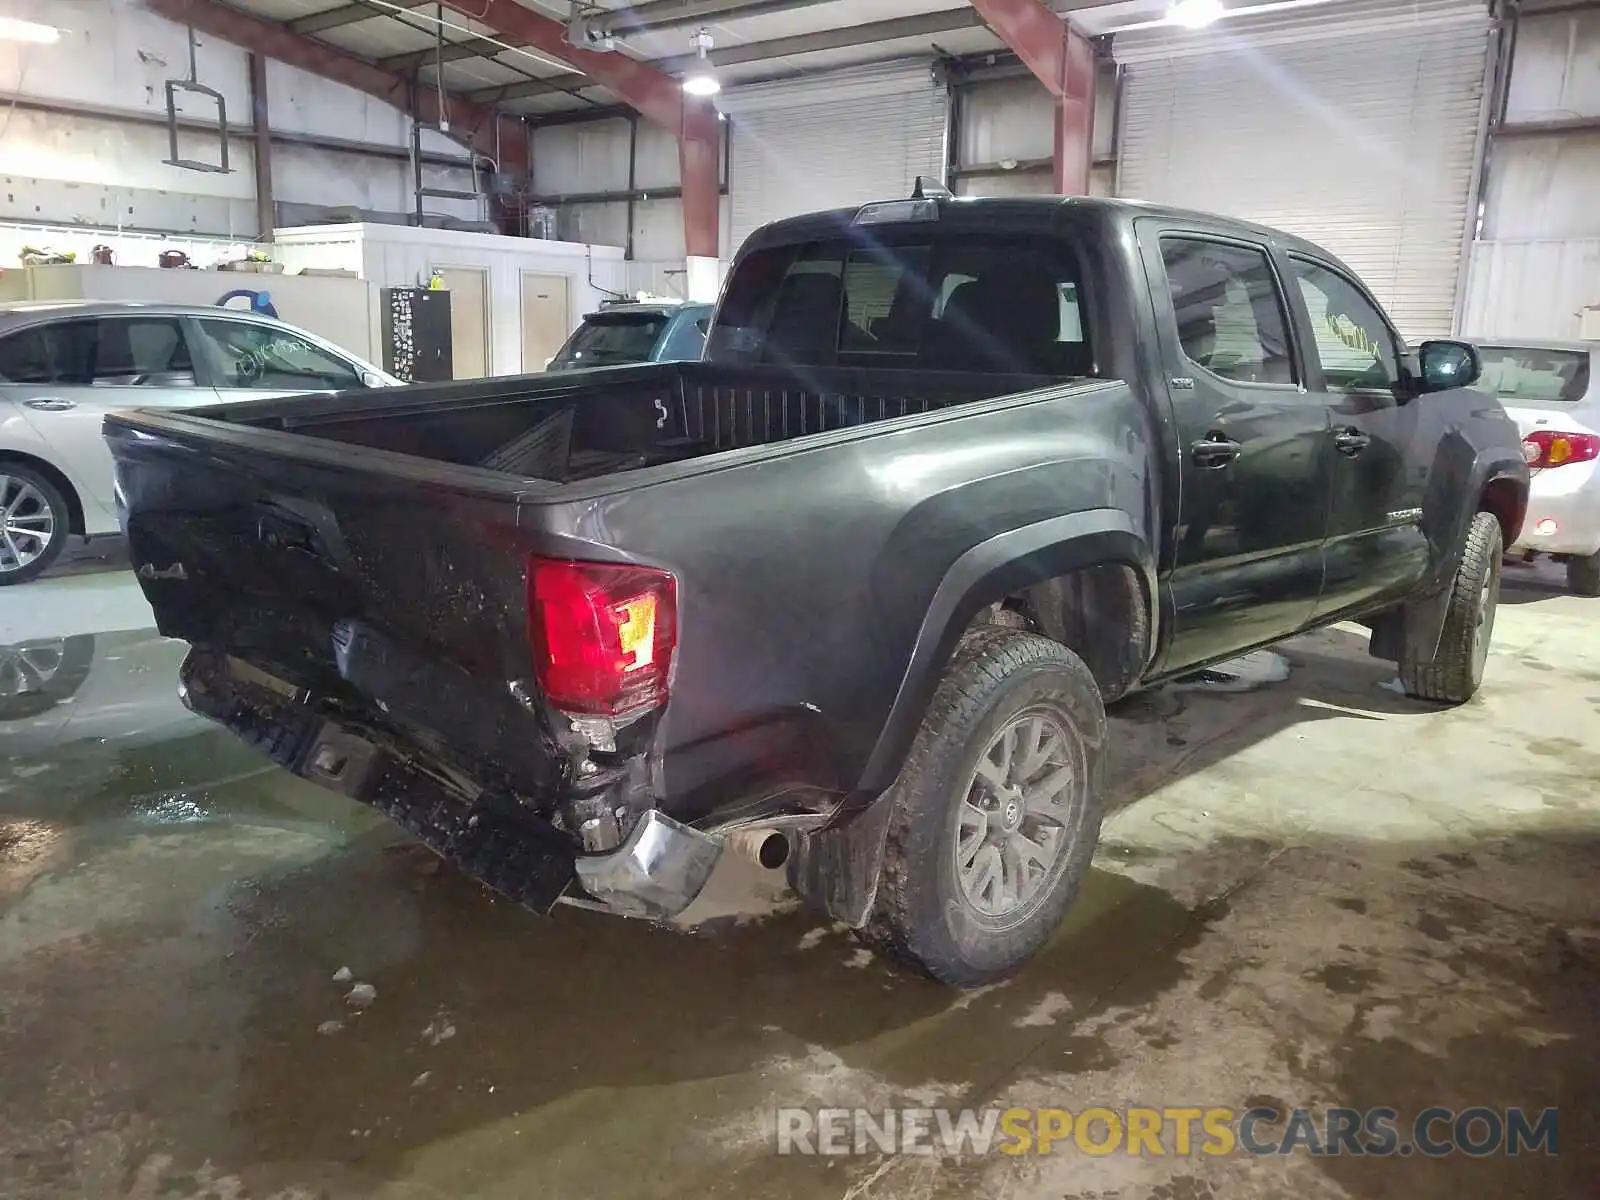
1455, 672
33, 523
1583, 574
995, 816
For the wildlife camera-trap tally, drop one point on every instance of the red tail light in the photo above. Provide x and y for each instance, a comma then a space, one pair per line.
602, 635
1544, 448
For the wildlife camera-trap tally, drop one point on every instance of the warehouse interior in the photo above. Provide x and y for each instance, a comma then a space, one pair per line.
1311, 891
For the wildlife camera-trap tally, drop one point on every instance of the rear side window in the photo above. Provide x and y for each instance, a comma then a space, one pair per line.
106, 352
998, 305
26, 357
1229, 311
1524, 373
686, 341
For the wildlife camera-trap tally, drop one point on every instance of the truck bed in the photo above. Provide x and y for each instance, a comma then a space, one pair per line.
583, 425
355, 546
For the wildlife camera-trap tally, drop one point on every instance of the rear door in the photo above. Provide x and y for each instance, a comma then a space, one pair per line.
1383, 441
1255, 470
65, 376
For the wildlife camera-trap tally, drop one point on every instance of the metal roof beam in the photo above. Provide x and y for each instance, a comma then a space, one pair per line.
679, 14
1062, 59
654, 95
922, 25
345, 14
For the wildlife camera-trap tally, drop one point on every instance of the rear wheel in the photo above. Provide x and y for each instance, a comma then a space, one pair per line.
995, 816
1455, 672
1583, 574
34, 523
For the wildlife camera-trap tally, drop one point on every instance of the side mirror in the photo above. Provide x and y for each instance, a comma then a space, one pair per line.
1446, 365
372, 379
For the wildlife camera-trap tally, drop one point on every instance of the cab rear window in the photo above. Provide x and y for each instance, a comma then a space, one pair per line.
964, 303
611, 339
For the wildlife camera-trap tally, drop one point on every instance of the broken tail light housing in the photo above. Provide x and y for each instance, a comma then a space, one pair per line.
1544, 448
603, 634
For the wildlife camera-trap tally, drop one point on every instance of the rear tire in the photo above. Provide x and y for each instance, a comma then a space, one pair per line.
1583, 575
995, 816
34, 523
1455, 672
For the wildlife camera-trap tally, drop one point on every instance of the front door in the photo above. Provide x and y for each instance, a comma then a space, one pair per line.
1247, 559
1382, 450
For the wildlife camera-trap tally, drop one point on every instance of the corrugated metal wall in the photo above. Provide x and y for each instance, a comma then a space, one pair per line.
844, 138
1354, 124
71, 167
1531, 288
1538, 264
1005, 129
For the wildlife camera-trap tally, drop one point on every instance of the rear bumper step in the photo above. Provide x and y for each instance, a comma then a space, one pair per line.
656, 873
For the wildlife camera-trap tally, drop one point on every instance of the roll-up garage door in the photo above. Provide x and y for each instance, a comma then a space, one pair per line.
1353, 124
844, 138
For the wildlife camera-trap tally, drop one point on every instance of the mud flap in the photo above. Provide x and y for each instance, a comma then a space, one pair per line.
835, 870
1411, 632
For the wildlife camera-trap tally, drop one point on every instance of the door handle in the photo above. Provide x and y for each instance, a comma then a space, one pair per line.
50, 403
1350, 441
1214, 451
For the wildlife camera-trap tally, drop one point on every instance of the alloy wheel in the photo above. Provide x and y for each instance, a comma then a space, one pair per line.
1012, 827
27, 523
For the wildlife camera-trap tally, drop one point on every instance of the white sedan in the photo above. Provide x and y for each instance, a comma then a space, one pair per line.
64, 365
1552, 391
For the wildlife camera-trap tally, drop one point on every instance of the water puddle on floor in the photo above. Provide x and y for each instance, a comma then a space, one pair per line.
94, 741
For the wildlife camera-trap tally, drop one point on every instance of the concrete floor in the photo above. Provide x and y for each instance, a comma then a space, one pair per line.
1313, 892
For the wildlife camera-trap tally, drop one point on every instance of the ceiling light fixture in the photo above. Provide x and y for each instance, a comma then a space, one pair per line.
1196, 14
14, 30
701, 81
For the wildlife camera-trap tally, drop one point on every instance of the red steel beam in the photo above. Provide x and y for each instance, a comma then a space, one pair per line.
1062, 59
655, 95
476, 123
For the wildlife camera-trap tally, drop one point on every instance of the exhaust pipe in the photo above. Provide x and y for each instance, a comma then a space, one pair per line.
767, 848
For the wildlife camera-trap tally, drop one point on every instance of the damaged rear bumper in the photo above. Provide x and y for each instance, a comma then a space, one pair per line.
657, 871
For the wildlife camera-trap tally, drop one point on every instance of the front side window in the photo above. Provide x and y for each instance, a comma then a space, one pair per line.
1528, 374
1354, 342
245, 354
991, 304
1229, 312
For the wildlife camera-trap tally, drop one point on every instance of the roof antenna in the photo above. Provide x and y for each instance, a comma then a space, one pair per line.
929, 188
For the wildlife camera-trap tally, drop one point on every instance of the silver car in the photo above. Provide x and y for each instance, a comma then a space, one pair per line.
64, 365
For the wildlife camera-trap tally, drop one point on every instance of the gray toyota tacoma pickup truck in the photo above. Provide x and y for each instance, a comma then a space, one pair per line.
853, 591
